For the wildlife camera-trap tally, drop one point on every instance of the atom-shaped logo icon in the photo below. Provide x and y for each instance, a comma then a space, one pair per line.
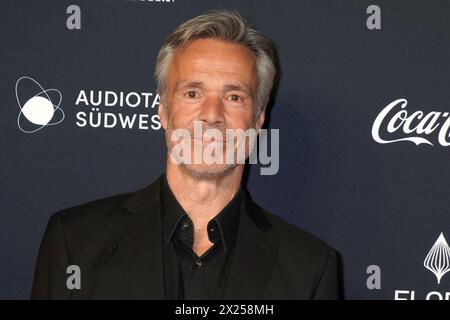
39, 110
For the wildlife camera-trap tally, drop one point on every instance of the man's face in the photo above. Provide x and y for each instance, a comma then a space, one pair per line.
214, 84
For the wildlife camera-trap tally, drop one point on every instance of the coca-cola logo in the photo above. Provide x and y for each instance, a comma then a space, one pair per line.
417, 127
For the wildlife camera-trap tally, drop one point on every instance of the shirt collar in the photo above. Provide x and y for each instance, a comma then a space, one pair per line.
226, 221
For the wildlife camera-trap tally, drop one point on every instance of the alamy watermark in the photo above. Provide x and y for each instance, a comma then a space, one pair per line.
229, 147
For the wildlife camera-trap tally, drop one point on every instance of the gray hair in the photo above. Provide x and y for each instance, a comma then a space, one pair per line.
227, 26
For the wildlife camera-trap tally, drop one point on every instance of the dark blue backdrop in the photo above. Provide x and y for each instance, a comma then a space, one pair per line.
377, 204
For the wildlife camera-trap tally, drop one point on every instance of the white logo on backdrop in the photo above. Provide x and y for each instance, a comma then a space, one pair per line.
39, 108
438, 262
414, 126
438, 259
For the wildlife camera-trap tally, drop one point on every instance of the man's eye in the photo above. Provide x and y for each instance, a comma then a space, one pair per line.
191, 94
235, 98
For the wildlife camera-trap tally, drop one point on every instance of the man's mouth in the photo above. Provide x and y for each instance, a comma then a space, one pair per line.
209, 140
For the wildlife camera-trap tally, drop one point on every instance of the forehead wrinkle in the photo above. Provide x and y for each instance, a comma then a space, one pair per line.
195, 60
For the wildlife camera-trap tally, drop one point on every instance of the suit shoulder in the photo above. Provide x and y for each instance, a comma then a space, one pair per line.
296, 238
99, 210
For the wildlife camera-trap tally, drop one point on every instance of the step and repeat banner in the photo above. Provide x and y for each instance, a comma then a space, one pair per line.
362, 107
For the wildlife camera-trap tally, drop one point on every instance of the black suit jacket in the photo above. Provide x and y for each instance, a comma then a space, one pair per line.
117, 243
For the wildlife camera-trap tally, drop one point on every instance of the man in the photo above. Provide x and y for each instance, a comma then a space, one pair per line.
194, 233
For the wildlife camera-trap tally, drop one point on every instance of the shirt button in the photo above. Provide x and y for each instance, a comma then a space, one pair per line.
198, 263
185, 225
212, 229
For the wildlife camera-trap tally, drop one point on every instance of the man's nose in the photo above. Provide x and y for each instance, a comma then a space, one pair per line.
212, 111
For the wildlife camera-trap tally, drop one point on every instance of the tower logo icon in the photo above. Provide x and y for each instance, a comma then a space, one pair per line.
438, 259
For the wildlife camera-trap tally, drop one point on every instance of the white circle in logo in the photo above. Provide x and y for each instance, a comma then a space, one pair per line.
38, 110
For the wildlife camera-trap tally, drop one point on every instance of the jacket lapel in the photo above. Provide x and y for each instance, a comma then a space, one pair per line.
254, 254
139, 241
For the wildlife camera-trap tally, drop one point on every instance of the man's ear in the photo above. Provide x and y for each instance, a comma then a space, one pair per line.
260, 119
162, 112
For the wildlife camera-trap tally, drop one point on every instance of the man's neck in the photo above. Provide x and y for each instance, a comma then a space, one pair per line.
202, 198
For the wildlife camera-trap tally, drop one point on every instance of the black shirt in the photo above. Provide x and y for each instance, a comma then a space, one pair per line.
188, 276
